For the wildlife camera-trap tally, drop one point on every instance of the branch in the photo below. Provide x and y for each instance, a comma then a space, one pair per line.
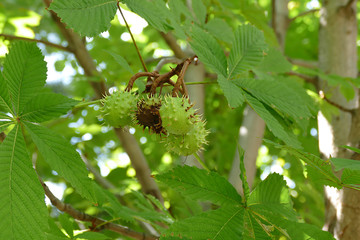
348, 5
305, 13
50, 44
303, 63
322, 96
307, 78
76, 214
171, 42
132, 38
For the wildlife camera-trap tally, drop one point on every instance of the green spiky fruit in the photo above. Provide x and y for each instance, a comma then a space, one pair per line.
177, 115
190, 142
118, 108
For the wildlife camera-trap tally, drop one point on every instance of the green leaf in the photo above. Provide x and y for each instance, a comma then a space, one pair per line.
198, 184
208, 51
232, 92
23, 212
256, 229
341, 163
301, 231
275, 94
67, 225
243, 177
350, 177
121, 61
220, 29
273, 193
223, 223
63, 158
200, 11
5, 103
256, 16
87, 17
146, 10
357, 150
24, 73
274, 61
247, 50
47, 106
271, 121
5, 124
54, 232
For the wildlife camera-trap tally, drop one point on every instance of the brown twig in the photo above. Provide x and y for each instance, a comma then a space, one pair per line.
304, 13
138, 75
323, 96
307, 78
76, 214
180, 80
303, 63
164, 78
133, 39
50, 44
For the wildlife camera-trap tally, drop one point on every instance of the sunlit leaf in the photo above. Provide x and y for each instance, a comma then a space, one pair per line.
24, 73
199, 184
47, 106
87, 17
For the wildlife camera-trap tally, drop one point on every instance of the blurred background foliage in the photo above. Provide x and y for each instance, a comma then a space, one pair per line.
94, 140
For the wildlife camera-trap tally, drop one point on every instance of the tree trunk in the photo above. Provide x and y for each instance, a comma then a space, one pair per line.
253, 127
338, 55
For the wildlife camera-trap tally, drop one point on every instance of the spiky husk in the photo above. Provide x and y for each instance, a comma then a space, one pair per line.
190, 142
118, 108
177, 115
147, 114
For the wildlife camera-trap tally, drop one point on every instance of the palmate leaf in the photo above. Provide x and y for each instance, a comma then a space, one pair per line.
272, 193
47, 106
199, 184
63, 158
208, 51
200, 11
341, 163
24, 73
232, 92
268, 115
277, 94
274, 61
247, 50
5, 124
223, 223
23, 212
87, 17
350, 177
220, 29
255, 229
5, 103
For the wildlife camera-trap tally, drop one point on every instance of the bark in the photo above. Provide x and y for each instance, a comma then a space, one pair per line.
338, 55
250, 138
128, 141
253, 127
